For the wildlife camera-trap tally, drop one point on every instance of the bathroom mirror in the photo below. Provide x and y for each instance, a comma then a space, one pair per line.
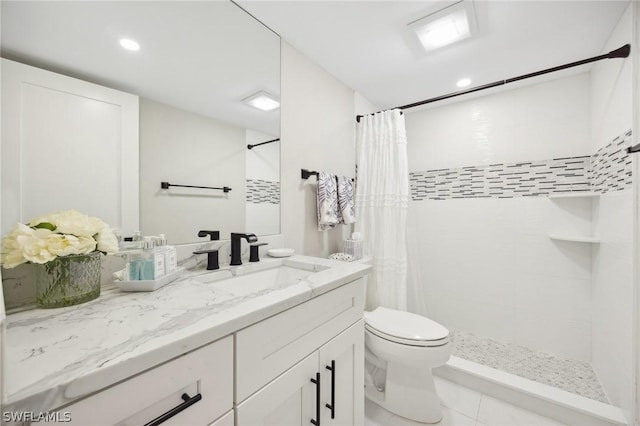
195, 64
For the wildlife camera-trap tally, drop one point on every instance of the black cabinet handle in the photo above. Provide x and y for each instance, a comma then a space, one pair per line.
316, 422
332, 406
188, 402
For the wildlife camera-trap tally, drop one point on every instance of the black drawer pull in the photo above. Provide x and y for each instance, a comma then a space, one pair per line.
188, 402
316, 422
332, 406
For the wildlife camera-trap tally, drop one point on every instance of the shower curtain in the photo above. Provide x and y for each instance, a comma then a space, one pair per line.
382, 197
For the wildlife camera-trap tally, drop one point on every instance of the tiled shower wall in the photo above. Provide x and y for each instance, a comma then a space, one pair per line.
484, 262
481, 259
612, 333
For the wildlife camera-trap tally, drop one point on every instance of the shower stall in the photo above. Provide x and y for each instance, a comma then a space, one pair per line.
521, 235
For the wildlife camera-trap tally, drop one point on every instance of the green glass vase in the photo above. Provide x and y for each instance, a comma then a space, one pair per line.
68, 280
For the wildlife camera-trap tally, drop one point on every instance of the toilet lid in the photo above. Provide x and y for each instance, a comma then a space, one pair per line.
404, 325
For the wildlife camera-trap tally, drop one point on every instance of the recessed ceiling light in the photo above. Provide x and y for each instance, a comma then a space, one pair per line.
463, 82
129, 44
446, 26
263, 101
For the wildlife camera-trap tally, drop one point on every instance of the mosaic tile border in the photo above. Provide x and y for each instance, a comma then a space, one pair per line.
526, 179
260, 191
570, 375
611, 166
609, 169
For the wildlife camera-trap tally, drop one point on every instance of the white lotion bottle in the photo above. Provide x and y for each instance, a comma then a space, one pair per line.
170, 254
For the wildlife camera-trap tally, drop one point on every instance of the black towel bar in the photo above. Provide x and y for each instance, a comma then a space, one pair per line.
306, 174
166, 185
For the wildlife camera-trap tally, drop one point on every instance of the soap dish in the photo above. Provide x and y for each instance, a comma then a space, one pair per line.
280, 252
345, 257
149, 285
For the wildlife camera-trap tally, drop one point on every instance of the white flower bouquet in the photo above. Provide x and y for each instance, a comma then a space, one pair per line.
54, 235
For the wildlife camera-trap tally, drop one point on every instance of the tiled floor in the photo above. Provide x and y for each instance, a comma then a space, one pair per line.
567, 374
462, 407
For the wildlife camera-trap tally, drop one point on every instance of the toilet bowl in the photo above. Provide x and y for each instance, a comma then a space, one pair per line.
401, 350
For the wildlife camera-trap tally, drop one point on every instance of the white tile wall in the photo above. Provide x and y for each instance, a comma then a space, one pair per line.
538, 122
612, 296
613, 214
487, 266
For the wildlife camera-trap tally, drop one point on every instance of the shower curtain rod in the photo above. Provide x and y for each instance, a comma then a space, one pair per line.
262, 143
621, 52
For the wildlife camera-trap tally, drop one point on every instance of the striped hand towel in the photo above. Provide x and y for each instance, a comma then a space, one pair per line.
345, 200
327, 193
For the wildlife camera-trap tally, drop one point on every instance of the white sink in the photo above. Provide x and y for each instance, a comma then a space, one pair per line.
258, 279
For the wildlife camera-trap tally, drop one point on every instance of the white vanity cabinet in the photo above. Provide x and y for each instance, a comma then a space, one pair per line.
293, 398
291, 352
201, 381
342, 379
305, 363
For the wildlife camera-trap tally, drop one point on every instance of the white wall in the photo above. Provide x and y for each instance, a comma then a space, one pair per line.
318, 128
487, 265
183, 148
613, 221
635, 46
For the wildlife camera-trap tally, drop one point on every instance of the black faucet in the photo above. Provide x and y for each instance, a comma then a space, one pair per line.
215, 235
212, 255
254, 253
212, 258
235, 246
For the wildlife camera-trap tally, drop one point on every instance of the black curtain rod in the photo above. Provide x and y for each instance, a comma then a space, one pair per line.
262, 143
621, 52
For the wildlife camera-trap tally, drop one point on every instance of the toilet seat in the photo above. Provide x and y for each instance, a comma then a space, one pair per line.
405, 328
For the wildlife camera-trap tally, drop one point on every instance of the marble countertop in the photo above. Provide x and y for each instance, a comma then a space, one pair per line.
56, 356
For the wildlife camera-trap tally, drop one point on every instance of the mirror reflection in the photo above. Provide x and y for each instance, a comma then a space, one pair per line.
197, 68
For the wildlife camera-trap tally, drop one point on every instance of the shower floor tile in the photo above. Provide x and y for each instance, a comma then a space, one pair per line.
567, 374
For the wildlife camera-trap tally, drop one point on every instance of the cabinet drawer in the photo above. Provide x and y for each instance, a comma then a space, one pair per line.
207, 371
265, 350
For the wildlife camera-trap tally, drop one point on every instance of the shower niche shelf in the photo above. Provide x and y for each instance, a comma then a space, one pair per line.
575, 238
574, 195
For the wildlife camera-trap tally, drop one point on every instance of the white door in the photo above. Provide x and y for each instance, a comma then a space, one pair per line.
67, 144
288, 400
342, 366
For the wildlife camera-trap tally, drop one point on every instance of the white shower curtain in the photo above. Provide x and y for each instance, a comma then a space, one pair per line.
382, 197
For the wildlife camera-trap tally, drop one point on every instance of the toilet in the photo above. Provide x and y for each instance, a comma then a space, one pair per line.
401, 349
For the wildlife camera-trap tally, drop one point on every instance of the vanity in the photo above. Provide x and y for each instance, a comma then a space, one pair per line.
277, 342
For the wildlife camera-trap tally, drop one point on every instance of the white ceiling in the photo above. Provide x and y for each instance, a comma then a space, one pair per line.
367, 46
205, 56
200, 56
